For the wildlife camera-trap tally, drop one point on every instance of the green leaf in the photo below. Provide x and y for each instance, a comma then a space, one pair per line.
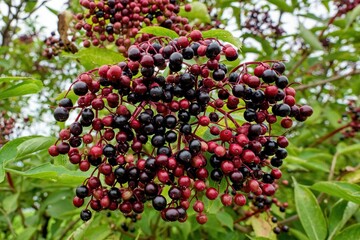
33, 145
222, 35
199, 12
310, 38
27, 233
352, 232
347, 191
8, 152
311, 165
93, 57
25, 86
10, 203
54, 173
349, 149
80, 231
30, 5
159, 31
298, 234
225, 219
282, 5
340, 213
262, 227
353, 15
55, 12
309, 211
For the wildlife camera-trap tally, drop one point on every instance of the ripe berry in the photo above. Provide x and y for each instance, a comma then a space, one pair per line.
85, 215
211, 193
61, 114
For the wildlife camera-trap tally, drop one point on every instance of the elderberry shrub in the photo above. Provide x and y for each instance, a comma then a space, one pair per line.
119, 22
159, 120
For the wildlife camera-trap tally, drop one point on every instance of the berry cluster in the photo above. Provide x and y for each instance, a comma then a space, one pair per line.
259, 22
345, 6
7, 124
171, 124
119, 21
54, 46
352, 114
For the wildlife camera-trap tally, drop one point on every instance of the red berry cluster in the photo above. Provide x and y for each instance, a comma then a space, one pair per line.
345, 6
352, 114
171, 123
7, 124
54, 46
120, 20
259, 22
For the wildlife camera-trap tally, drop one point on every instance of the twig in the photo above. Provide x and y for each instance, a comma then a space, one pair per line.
243, 229
325, 81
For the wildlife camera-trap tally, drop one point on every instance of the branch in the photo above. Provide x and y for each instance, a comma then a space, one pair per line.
325, 81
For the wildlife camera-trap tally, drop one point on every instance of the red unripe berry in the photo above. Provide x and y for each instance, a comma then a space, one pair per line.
242, 140
103, 71
289, 100
290, 91
235, 149
183, 42
195, 35
276, 173
87, 138
226, 135
268, 189
201, 218
105, 169
214, 130
198, 206
248, 156
53, 151
94, 182
78, 202
201, 50
306, 111
271, 91
239, 199
226, 199
114, 73
199, 185
184, 181
96, 151
184, 104
65, 134
204, 120
253, 185
163, 176
211, 193
253, 82
286, 122
259, 70
84, 166
220, 151
227, 167
282, 142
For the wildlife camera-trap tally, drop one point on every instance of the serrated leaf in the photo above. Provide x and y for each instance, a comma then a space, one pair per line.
34, 145
352, 232
199, 12
282, 5
353, 15
310, 38
8, 152
309, 212
25, 86
225, 219
222, 35
347, 191
51, 172
159, 31
340, 213
93, 57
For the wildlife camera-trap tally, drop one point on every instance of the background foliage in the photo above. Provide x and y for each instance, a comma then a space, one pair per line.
321, 49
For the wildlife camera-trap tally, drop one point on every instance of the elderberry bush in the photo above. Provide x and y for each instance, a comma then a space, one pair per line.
172, 123
119, 21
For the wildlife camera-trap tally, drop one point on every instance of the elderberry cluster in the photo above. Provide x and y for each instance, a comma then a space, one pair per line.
352, 115
7, 125
172, 122
259, 22
119, 21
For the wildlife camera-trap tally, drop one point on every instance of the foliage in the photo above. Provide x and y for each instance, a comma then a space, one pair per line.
322, 171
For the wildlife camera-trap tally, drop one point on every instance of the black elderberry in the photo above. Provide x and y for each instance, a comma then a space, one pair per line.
158, 140
109, 150
82, 191
183, 156
216, 175
213, 50
159, 203
170, 136
170, 121
184, 116
195, 146
85, 215
269, 76
80, 88
66, 103
185, 129
61, 114
114, 193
